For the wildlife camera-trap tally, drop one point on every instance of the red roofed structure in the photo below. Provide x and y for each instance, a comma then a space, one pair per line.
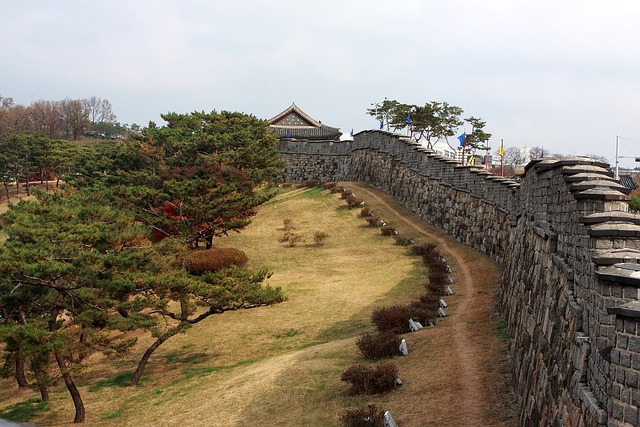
295, 124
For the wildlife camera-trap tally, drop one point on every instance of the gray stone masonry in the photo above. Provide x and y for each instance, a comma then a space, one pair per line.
570, 257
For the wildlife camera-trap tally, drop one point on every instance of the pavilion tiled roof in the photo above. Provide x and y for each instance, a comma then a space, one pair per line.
296, 124
628, 181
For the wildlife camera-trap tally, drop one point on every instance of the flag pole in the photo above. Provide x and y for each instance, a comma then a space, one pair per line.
501, 156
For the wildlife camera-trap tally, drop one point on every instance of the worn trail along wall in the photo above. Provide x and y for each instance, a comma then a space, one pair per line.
570, 254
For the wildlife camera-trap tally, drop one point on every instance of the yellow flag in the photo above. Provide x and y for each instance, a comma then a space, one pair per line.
472, 160
501, 150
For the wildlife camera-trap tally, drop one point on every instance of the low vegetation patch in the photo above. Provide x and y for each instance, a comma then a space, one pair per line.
371, 380
371, 416
383, 345
23, 411
120, 380
215, 259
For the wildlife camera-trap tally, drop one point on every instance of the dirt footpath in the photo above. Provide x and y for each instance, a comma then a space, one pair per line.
460, 368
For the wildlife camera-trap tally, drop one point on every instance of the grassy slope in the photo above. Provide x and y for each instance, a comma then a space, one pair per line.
280, 365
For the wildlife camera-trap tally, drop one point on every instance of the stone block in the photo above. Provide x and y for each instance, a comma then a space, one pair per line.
631, 379
634, 344
631, 415
622, 341
617, 411
625, 359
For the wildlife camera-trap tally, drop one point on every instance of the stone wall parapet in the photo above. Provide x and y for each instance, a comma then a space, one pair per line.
570, 254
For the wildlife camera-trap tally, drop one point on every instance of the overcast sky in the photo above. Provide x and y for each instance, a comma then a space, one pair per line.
563, 74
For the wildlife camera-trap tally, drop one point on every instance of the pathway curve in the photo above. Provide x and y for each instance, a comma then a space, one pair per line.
473, 304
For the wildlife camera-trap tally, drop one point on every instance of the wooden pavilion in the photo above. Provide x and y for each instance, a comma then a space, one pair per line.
295, 124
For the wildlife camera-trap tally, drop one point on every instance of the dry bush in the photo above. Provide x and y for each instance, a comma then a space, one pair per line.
319, 237
287, 225
353, 201
371, 416
295, 239
403, 241
311, 183
365, 212
429, 300
437, 265
395, 318
368, 380
330, 186
211, 260
425, 248
373, 221
383, 345
388, 231
437, 288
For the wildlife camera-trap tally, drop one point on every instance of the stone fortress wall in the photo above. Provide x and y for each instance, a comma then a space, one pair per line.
568, 248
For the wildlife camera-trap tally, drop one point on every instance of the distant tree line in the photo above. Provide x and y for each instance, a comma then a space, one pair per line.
65, 119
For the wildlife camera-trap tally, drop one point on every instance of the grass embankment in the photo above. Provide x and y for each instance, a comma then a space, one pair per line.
281, 365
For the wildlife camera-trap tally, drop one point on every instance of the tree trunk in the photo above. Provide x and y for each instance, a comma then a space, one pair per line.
39, 366
73, 390
20, 376
147, 354
171, 332
209, 241
44, 391
68, 381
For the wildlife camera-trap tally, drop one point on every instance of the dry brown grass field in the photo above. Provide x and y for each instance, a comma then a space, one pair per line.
281, 365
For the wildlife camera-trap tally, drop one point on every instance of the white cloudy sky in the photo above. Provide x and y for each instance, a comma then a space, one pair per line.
563, 74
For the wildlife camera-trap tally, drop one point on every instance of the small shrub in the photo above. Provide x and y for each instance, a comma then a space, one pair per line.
319, 237
211, 260
424, 312
353, 201
335, 189
287, 225
367, 380
403, 241
329, 185
437, 265
311, 183
365, 212
423, 249
379, 346
388, 231
344, 193
373, 221
438, 277
294, 239
371, 416
429, 301
393, 318
436, 288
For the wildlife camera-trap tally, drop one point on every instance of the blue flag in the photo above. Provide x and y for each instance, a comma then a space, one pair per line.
351, 133
409, 118
381, 124
462, 139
